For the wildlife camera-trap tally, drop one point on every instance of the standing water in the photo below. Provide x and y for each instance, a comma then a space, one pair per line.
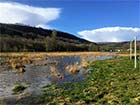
49, 70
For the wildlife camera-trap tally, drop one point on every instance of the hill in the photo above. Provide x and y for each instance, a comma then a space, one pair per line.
23, 38
18, 37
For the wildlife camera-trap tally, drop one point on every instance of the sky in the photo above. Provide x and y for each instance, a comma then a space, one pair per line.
94, 20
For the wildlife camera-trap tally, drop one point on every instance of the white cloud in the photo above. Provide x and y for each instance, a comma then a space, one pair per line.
45, 26
11, 12
110, 34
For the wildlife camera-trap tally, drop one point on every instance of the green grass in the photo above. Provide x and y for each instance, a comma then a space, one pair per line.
18, 88
111, 82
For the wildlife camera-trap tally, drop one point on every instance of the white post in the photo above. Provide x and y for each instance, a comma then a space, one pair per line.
135, 60
130, 50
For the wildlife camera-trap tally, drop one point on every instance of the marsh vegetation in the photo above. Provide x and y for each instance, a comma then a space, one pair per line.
113, 81
68, 78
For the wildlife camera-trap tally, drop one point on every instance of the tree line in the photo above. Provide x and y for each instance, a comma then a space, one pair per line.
32, 43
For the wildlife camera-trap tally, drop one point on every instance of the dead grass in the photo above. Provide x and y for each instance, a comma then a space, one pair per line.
55, 72
126, 55
84, 63
18, 60
72, 68
18, 66
38, 55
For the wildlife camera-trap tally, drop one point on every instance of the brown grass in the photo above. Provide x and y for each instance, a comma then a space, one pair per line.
84, 63
55, 72
72, 68
38, 55
18, 60
126, 55
17, 66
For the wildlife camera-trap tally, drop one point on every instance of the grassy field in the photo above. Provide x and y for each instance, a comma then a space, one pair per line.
42, 54
111, 82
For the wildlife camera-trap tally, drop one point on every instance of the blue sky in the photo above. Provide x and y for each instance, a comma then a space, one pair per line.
87, 16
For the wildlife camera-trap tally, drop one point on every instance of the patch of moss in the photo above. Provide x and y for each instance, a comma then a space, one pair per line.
18, 88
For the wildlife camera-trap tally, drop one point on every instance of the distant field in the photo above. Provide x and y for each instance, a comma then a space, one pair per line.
41, 54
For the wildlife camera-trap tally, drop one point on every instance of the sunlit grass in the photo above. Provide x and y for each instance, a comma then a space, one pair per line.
55, 72
37, 54
72, 68
113, 81
17, 61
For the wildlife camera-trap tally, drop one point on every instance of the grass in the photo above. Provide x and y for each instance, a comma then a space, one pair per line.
113, 81
55, 72
43, 54
18, 88
18, 61
72, 68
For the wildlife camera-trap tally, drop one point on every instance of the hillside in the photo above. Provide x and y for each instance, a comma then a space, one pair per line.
23, 38
17, 37
23, 30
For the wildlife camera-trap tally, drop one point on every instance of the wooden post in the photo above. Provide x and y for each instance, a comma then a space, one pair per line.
135, 53
130, 50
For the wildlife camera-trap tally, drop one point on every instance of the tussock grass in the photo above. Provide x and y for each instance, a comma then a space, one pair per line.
73, 68
55, 72
18, 88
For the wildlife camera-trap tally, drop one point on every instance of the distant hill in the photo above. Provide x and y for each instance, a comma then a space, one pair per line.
22, 30
17, 37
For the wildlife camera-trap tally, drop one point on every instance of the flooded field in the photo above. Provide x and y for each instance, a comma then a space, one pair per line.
36, 72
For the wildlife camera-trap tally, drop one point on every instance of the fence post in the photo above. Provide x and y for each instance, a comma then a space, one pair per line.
130, 50
135, 53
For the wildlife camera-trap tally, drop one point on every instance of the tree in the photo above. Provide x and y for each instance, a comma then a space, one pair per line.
51, 42
54, 34
92, 47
